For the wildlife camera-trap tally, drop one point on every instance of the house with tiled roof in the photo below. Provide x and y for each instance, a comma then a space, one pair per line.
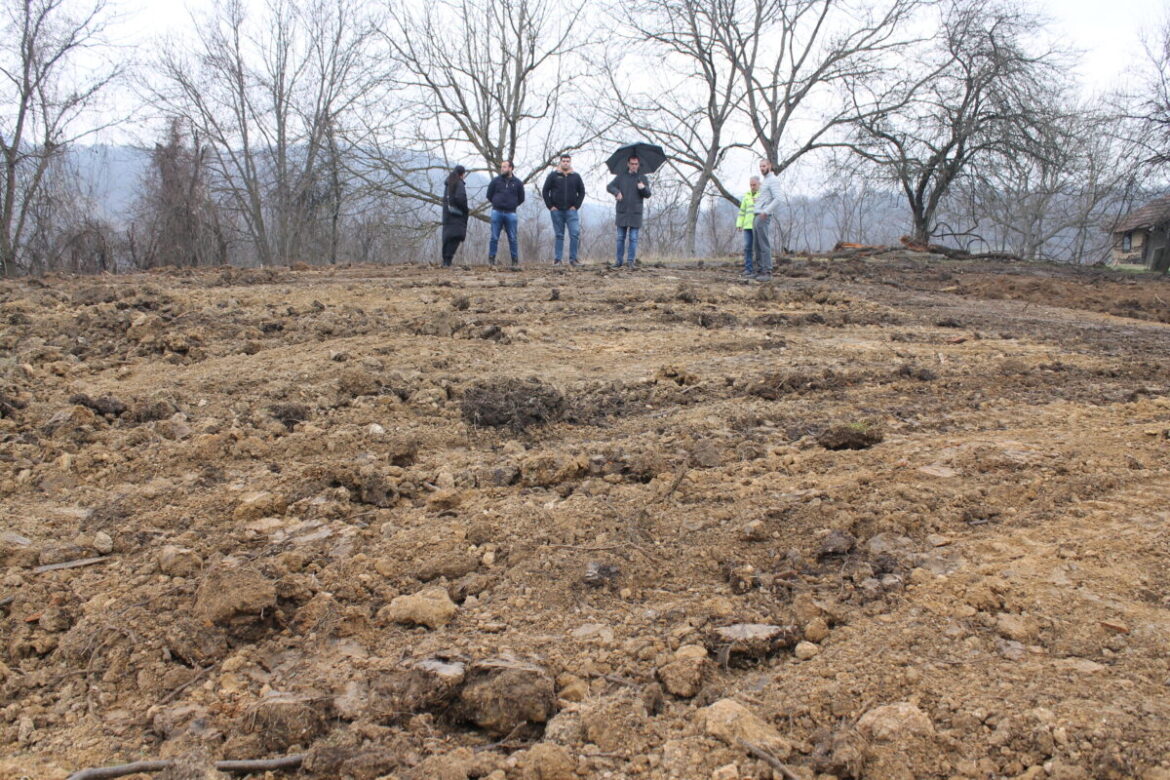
1141, 237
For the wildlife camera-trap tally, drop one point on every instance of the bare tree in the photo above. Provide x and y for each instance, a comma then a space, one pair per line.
267, 93
1053, 206
794, 58
480, 84
43, 99
1154, 111
177, 221
688, 109
985, 96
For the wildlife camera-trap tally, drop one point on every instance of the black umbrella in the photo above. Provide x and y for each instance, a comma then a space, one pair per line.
650, 156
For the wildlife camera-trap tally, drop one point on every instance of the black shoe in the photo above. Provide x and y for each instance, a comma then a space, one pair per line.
491, 259
574, 264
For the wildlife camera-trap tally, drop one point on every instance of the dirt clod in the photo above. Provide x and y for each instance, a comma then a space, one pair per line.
501, 694
512, 403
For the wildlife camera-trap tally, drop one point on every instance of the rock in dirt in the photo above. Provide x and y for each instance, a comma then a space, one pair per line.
751, 641
501, 694
850, 437
565, 728
235, 598
683, 676
806, 650
546, 762
754, 531
430, 607
816, 630
600, 574
103, 544
895, 722
428, 685
617, 722
178, 561
282, 720
451, 565
1019, 628
258, 504
837, 542
731, 722
194, 643
62, 554
350, 763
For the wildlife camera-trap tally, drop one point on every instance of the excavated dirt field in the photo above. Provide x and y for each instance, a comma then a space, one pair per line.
895, 518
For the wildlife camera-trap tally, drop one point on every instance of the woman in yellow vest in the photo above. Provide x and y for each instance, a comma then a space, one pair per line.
744, 222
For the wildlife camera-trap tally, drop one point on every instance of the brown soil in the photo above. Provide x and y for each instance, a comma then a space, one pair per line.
450, 524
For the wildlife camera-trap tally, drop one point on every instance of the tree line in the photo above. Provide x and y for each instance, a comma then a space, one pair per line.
318, 130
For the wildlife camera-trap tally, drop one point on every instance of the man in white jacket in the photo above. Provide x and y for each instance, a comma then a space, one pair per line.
767, 201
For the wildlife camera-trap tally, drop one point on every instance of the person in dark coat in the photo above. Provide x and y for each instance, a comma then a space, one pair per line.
629, 189
505, 193
454, 213
563, 193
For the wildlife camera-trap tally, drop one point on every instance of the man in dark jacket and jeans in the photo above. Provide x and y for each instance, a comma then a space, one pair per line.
629, 189
564, 192
505, 193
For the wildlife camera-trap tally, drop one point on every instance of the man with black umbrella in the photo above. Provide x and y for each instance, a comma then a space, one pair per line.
629, 189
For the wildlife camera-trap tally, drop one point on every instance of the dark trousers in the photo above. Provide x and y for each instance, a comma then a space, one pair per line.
449, 247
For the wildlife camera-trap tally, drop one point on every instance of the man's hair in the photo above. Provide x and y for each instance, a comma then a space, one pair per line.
634, 158
566, 157
509, 163
754, 178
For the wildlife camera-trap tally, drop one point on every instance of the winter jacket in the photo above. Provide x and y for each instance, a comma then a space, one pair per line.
505, 193
747, 211
455, 199
563, 191
629, 208
768, 198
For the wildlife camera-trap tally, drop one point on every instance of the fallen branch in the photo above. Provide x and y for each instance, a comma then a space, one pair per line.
260, 765
4, 602
119, 771
70, 564
769, 759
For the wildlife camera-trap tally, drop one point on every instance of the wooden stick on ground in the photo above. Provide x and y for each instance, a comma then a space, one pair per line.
70, 564
261, 765
770, 759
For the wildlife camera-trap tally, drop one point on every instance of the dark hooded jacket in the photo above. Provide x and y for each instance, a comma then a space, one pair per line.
563, 191
629, 208
454, 200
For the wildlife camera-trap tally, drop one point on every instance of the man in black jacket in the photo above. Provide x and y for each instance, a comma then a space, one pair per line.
564, 192
506, 193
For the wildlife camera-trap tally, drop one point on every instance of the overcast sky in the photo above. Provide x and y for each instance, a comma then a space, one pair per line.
1107, 31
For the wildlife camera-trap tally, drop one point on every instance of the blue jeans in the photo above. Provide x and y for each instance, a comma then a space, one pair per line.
621, 241
763, 244
509, 222
561, 220
747, 251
